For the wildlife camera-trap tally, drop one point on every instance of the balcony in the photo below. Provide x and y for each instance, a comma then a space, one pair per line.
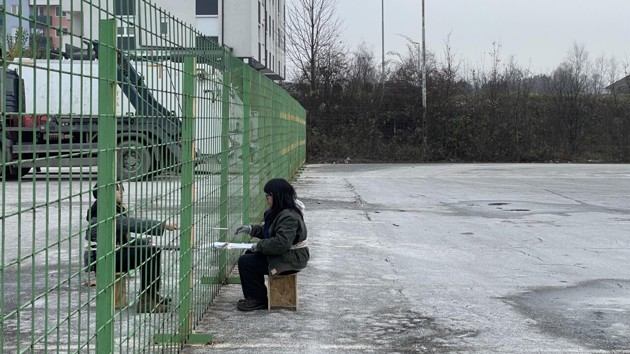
41, 20
44, 2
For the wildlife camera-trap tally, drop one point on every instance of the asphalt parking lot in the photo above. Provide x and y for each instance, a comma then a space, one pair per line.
450, 258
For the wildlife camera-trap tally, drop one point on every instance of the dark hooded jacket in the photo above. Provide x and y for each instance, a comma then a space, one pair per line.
286, 230
124, 225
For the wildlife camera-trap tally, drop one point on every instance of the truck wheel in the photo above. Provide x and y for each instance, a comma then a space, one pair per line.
134, 160
10, 172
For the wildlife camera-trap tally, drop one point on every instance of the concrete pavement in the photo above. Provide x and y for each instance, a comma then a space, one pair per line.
450, 258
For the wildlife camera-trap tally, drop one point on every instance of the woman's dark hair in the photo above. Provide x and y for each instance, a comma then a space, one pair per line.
119, 187
283, 195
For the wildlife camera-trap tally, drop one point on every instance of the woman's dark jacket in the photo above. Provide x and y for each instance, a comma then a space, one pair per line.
286, 230
124, 226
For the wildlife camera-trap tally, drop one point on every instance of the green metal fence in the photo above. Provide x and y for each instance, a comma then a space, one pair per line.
186, 133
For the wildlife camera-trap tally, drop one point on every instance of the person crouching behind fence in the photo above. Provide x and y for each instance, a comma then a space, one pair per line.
132, 253
282, 248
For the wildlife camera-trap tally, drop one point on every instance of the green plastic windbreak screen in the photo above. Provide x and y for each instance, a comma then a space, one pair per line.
100, 97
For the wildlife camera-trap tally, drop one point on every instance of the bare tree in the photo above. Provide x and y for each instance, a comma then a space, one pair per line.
449, 69
331, 71
407, 67
571, 90
363, 75
598, 75
314, 33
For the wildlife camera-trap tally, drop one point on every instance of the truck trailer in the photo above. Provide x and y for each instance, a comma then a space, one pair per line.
51, 117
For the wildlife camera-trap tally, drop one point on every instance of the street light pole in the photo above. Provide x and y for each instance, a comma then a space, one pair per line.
424, 90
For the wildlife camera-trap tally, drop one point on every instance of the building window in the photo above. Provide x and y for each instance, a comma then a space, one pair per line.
279, 36
61, 32
207, 42
125, 7
14, 9
126, 43
126, 33
164, 26
64, 30
207, 7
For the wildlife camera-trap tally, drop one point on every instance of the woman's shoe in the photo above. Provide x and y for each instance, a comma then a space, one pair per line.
148, 303
241, 301
90, 282
163, 299
251, 305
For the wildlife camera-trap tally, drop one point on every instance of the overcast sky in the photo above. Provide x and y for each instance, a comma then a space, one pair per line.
538, 33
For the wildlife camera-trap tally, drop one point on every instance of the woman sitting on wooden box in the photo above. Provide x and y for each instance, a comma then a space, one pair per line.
282, 248
132, 253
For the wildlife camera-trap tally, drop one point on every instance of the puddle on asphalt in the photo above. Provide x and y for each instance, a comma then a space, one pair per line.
409, 331
595, 314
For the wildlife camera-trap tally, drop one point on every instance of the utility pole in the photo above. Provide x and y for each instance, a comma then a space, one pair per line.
424, 90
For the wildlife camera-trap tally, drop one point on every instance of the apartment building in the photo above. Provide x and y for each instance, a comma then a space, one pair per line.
253, 30
50, 21
17, 16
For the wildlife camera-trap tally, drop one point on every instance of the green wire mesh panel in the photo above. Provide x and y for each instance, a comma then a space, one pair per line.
129, 144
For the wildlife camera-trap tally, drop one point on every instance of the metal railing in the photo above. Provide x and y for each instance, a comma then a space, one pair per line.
189, 132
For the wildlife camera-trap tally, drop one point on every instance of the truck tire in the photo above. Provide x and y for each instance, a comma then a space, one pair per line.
134, 160
11, 173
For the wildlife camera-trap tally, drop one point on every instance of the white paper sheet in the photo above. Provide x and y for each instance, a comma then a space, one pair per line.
232, 245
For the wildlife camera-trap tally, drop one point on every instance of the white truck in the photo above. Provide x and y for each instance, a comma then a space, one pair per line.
55, 122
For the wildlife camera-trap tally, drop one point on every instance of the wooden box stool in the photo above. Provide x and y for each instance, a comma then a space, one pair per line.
120, 291
282, 292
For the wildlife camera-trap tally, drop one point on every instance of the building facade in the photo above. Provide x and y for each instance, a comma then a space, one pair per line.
253, 30
52, 21
17, 17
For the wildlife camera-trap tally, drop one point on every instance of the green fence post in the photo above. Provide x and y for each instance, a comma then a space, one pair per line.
187, 234
107, 187
225, 164
268, 132
276, 133
283, 138
246, 142
302, 127
304, 139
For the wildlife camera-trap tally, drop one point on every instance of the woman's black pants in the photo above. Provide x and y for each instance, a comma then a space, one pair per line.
147, 259
252, 268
